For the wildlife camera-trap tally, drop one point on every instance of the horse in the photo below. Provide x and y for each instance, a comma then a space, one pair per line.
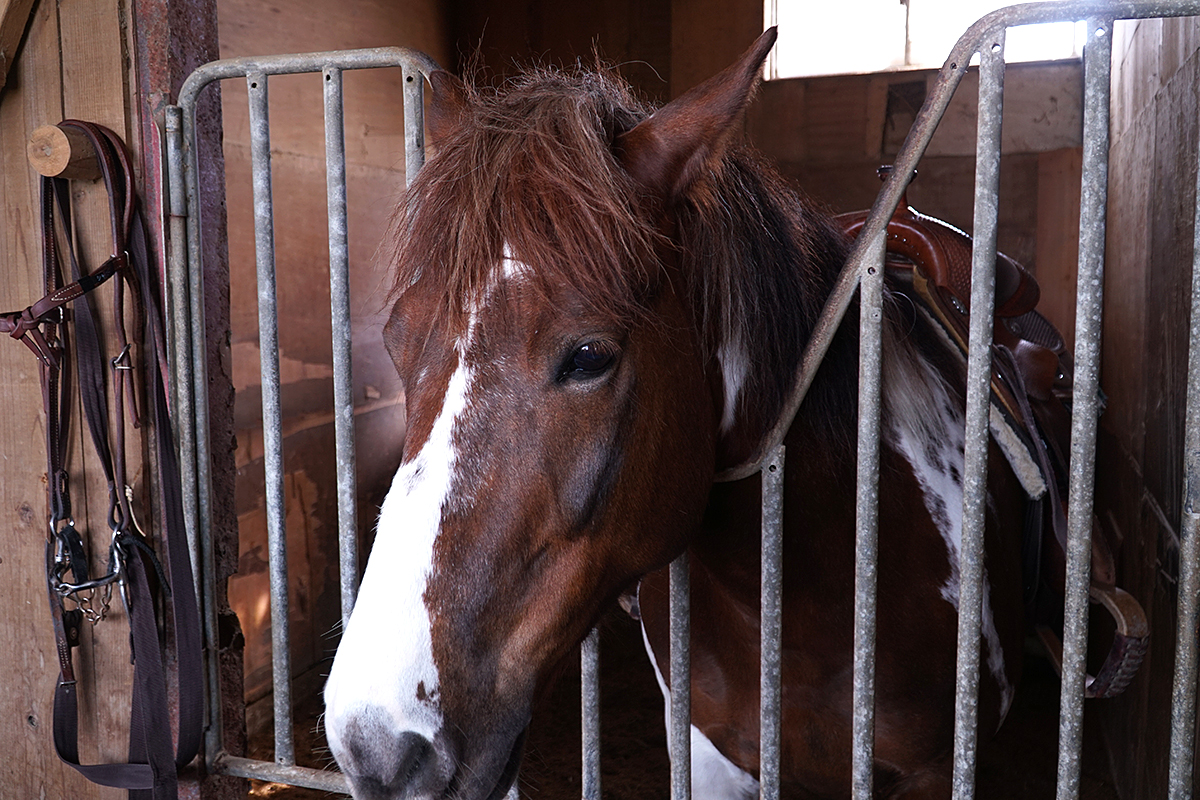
598, 307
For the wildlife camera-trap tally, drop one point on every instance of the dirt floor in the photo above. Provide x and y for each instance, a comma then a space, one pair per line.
1021, 761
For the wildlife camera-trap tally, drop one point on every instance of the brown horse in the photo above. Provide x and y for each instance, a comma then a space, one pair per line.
599, 307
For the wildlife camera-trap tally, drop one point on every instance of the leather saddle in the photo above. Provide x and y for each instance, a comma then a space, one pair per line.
1030, 419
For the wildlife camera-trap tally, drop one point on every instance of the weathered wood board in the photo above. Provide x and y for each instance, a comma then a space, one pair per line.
374, 133
1152, 179
57, 76
14, 16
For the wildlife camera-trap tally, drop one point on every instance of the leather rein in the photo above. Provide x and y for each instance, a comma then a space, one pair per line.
133, 567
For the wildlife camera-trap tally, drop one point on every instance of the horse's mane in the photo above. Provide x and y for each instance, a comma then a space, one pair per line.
531, 167
761, 260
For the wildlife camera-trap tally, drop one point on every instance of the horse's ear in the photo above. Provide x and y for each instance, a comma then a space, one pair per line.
447, 105
667, 152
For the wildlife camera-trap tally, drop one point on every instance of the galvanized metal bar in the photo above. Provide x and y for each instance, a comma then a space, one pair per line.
293, 63
867, 518
307, 777
681, 678
589, 663
414, 122
1181, 765
183, 404
193, 398
771, 617
339, 300
979, 369
268, 342
179, 344
1086, 406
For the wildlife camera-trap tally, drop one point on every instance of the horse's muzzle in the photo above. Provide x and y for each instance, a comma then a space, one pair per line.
384, 765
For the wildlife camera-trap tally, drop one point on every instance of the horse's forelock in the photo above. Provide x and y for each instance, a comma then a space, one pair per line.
530, 175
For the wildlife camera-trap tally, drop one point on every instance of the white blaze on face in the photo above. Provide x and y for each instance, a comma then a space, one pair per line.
511, 267
384, 664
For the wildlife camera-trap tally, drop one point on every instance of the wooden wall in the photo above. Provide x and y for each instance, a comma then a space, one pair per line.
55, 75
499, 36
830, 134
375, 181
114, 63
1152, 180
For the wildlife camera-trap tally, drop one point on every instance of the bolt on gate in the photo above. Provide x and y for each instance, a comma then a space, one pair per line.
863, 273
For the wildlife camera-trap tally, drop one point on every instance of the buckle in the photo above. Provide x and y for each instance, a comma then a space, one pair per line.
120, 357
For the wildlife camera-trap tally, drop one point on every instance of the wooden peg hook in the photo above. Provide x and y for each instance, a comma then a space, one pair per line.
62, 153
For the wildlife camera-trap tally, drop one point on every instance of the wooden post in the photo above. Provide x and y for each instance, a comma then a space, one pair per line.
62, 153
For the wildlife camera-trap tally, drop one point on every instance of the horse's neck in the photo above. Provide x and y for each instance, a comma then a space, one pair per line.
922, 437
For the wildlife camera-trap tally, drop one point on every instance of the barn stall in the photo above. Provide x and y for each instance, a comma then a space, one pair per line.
827, 133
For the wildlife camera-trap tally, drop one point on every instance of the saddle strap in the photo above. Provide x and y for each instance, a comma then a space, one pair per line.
151, 772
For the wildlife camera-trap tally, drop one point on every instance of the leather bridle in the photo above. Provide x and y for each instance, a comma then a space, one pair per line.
133, 565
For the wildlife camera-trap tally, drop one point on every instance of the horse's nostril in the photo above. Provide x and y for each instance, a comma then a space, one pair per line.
414, 757
383, 764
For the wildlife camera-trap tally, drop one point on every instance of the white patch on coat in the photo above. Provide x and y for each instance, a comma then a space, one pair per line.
385, 660
735, 366
1019, 458
928, 428
714, 777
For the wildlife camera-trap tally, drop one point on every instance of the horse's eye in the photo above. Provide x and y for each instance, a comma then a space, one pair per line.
589, 360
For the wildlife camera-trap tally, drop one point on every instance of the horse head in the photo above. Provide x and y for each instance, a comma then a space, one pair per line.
568, 404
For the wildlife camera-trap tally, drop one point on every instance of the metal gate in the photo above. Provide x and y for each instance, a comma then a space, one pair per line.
863, 273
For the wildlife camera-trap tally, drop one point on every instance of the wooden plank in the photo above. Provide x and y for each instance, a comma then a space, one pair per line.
35, 96
1119, 480
27, 662
835, 112
94, 78
306, 377
94, 90
93, 65
1056, 259
701, 46
374, 142
14, 16
373, 117
1042, 111
1147, 283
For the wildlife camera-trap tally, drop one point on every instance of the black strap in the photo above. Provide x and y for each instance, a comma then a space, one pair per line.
151, 773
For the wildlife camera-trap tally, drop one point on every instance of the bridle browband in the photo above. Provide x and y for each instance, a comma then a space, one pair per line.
151, 772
